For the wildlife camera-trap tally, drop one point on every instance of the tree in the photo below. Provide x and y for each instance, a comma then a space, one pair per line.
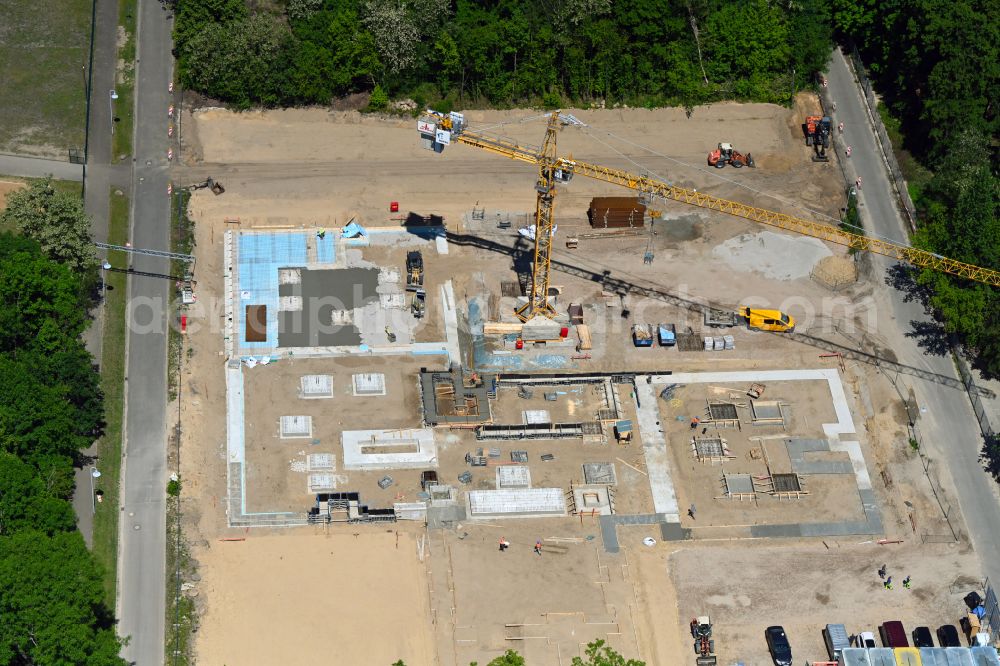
990, 456
598, 654
508, 658
51, 610
42, 305
26, 503
242, 61
395, 32
56, 220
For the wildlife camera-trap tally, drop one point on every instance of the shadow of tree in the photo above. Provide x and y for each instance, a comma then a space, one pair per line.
990, 456
903, 278
931, 337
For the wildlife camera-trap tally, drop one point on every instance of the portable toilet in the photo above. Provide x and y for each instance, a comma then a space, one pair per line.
907, 656
984, 655
853, 657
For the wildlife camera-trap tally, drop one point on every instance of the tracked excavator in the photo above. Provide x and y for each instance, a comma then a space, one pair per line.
817, 130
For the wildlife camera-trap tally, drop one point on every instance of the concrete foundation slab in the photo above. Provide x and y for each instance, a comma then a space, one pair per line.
519, 503
593, 500
513, 476
316, 386
599, 472
321, 462
389, 449
369, 383
533, 416
296, 427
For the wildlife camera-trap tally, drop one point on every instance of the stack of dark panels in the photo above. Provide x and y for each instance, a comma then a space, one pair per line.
616, 212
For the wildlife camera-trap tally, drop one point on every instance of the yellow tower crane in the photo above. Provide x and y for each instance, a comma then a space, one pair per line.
439, 129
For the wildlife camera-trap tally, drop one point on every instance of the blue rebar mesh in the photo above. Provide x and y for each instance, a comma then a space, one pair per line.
260, 255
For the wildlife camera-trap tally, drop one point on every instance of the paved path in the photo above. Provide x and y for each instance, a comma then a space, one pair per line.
950, 434
142, 547
36, 167
99, 177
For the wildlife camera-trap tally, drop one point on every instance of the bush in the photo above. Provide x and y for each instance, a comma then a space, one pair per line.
379, 100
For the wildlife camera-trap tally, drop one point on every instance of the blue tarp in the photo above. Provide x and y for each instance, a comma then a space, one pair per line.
353, 230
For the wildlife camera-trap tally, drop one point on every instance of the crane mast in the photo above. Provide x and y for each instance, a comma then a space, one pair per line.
538, 299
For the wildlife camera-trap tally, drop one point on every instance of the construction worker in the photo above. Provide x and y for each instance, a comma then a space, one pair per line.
906, 582
888, 583
881, 572
694, 422
538, 548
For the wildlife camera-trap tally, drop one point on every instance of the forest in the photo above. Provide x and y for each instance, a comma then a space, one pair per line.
52, 608
501, 52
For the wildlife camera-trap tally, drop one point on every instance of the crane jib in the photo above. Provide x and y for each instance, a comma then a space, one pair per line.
653, 187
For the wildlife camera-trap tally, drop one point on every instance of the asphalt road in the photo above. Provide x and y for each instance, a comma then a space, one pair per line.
949, 432
142, 547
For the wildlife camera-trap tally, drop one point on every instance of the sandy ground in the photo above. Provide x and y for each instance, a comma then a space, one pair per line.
313, 168
301, 598
6, 188
804, 587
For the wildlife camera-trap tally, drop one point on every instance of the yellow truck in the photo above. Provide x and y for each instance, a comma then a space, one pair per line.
766, 320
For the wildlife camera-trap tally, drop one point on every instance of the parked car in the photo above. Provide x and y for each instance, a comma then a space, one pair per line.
922, 637
866, 639
893, 634
948, 636
778, 646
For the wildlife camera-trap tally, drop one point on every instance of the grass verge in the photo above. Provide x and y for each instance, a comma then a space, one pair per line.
109, 447
181, 613
181, 241
121, 142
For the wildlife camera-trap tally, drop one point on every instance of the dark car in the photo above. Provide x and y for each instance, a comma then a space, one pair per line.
922, 637
948, 636
778, 646
893, 634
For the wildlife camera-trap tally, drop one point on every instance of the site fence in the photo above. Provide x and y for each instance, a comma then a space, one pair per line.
975, 395
899, 183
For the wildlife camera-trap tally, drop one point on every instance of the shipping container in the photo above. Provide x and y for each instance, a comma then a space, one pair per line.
907, 656
836, 639
959, 656
985, 655
854, 657
933, 656
882, 657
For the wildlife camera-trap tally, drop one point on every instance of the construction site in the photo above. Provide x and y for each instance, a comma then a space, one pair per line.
406, 352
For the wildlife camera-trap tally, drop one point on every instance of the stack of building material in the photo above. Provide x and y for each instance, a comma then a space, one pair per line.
616, 212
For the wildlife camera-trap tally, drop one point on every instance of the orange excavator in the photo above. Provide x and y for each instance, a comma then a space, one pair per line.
726, 154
